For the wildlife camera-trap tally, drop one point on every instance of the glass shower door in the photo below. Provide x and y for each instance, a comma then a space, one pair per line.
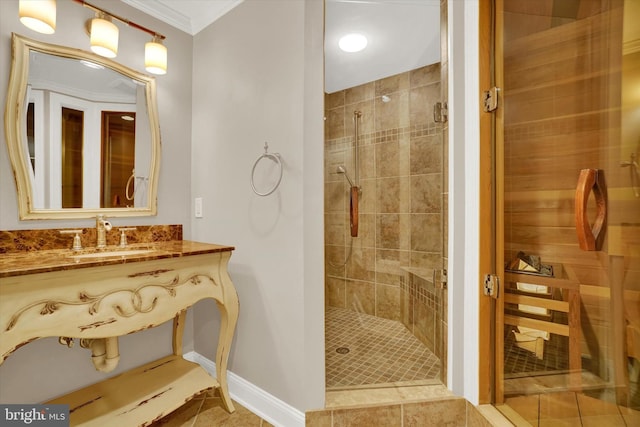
568, 321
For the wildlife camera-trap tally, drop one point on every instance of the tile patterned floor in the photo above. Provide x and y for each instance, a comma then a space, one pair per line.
568, 409
207, 410
524, 373
364, 350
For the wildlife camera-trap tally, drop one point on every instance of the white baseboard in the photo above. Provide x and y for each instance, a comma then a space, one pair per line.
258, 401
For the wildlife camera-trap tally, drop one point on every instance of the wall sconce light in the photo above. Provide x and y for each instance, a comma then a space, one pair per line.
155, 57
104, 36
39, 15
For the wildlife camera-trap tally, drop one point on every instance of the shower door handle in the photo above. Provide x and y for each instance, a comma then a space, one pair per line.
590, 238
353, 211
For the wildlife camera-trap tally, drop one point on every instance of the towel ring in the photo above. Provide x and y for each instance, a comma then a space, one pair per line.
274, 157
129, 181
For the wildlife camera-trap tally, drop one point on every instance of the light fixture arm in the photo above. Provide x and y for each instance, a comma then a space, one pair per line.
155, 34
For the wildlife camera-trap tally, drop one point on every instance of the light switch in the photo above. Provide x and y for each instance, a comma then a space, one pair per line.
198, 207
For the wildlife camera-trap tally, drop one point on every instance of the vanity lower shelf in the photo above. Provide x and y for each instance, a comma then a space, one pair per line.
135, 397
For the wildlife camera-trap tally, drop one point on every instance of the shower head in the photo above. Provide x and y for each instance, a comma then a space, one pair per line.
341, 169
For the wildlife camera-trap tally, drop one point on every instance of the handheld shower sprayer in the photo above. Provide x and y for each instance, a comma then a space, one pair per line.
341, 169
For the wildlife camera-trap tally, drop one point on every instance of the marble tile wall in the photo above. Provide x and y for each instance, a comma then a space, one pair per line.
401, 176
422, 312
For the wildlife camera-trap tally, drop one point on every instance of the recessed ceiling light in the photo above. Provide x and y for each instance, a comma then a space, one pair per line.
353, 42
128, 118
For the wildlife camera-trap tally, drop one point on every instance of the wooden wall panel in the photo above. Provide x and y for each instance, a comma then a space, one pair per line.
562, 114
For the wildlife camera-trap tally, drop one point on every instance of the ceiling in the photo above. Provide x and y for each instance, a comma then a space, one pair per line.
402, 34
190, 16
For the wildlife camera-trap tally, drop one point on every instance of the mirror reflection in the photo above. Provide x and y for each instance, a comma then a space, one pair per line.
85, 138
91, 143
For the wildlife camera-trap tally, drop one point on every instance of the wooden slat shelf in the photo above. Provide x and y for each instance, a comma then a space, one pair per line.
570, 304
542, 280
135, 397
549, 304
554, 328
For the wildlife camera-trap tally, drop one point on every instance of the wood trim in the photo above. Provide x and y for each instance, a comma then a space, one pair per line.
542, 325
542, 280
549, 304
485, 380
499, 203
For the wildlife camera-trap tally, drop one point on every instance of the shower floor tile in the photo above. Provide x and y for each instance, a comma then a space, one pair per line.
364, 350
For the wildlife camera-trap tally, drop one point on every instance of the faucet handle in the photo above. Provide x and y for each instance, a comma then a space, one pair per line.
77, 242
123, 236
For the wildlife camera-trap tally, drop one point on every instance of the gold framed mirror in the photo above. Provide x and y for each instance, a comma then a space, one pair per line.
82, 132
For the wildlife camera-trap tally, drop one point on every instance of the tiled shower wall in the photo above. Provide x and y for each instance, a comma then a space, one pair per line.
401, 204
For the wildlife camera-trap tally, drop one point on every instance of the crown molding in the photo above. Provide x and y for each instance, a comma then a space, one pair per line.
196, 18
163, 12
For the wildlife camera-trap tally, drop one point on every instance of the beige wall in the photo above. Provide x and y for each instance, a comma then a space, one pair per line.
256, 78
45, 369
46, 374
259, 78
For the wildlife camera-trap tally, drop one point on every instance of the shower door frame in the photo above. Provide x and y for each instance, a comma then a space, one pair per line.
490, 216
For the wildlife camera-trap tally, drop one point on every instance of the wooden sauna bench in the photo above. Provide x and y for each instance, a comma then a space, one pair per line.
564, 280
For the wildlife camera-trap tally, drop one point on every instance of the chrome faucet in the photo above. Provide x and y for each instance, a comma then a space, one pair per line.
102, 226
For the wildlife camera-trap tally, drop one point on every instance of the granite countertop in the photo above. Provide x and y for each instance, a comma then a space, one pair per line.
42, 261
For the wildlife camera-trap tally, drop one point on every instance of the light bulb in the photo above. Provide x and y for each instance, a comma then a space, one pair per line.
155, 57
39, 15
353, 42
104, 37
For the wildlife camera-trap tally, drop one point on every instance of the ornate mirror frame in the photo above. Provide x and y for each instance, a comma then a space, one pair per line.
15, 138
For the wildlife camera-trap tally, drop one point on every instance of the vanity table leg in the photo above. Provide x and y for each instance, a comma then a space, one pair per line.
178, 331
228, 320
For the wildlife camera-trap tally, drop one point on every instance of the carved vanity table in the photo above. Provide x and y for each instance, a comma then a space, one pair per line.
92, 297
101, 297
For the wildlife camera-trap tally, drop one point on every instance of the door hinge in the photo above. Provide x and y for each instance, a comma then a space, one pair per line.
440, 278
490, 285
490, 99
440, 112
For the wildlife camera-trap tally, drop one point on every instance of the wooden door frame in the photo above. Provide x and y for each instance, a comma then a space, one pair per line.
491, 212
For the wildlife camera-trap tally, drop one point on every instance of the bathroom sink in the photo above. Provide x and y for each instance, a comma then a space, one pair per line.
112, 254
